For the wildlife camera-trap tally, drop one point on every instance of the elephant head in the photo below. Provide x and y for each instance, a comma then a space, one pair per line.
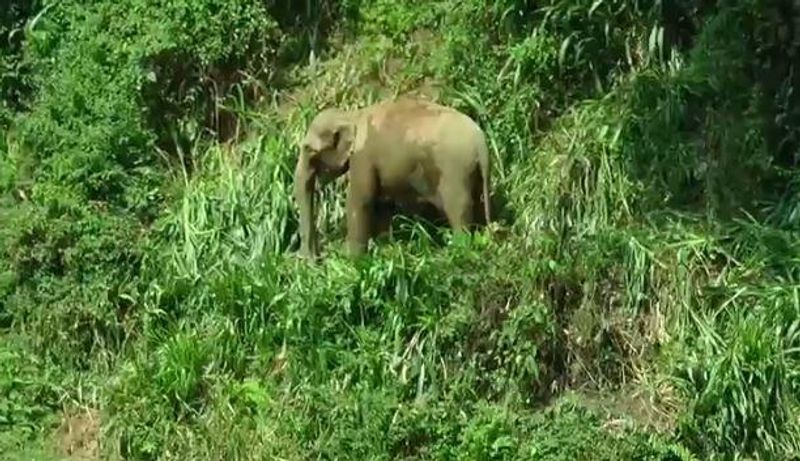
325, 152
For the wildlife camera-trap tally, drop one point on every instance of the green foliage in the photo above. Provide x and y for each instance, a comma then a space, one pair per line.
740, 364
397, 20
14, 74
114, 81
30, 395
139, 58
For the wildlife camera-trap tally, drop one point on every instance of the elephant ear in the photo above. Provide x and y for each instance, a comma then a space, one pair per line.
343, 138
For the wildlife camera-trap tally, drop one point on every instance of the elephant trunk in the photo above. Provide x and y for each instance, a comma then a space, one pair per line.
304, 179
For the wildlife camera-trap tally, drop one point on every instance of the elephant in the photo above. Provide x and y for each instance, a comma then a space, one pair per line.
407, 151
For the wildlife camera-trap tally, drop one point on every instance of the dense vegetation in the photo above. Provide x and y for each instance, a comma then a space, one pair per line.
642, 303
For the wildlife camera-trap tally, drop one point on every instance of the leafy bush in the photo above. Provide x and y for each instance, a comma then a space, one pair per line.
113, 81
29, 396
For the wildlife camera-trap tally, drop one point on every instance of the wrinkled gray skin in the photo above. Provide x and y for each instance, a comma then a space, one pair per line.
405, 151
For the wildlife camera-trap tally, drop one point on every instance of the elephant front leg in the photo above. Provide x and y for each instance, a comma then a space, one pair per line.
358, 227
360, 198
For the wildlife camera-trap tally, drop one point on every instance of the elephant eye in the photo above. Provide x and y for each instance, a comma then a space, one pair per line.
336, 138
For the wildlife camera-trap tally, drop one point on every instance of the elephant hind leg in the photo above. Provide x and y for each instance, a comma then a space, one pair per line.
382, 221
478, 213
457, 201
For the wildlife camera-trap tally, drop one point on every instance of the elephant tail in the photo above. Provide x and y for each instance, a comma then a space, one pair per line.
485, 173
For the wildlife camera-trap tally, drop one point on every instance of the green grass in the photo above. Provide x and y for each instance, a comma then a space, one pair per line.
642, 302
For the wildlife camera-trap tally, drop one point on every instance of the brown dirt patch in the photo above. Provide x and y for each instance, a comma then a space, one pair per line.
650, 408
78, 435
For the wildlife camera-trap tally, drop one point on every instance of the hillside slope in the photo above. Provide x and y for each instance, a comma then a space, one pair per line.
642, 303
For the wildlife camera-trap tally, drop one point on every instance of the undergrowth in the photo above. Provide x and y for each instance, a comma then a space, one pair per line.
640, 301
